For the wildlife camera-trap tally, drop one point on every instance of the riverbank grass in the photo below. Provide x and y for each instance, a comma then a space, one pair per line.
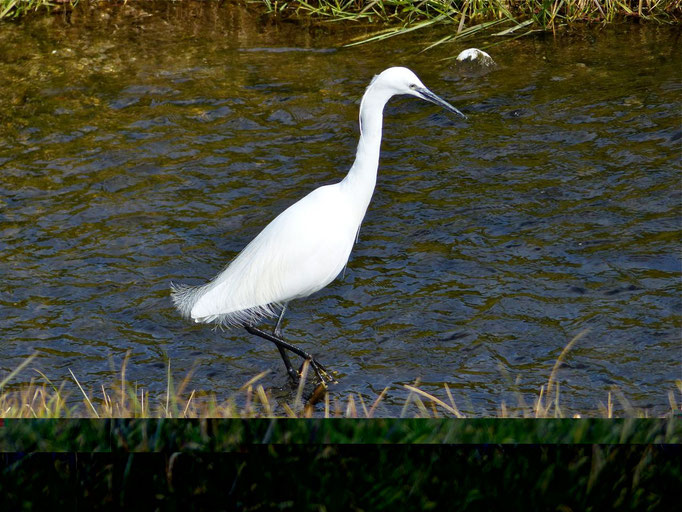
401, 16
470, 17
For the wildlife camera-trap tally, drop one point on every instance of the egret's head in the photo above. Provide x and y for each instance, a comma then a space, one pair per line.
400, 80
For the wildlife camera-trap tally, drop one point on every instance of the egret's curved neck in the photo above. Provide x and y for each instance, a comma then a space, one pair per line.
362, 176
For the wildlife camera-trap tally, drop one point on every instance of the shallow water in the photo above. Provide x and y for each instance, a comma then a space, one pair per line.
138, 150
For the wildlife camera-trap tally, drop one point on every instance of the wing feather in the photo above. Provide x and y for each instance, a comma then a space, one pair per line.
302, 250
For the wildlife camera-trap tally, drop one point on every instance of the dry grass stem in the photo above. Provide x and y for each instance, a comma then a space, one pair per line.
84, 394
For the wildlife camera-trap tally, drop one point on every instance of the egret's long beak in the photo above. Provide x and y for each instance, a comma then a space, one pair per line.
429, 96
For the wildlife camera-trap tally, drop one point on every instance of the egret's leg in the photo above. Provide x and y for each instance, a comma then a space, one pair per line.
287, 362
320, 371
285, 357
278, 331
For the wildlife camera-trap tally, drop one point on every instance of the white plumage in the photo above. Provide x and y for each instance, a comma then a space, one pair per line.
306, 246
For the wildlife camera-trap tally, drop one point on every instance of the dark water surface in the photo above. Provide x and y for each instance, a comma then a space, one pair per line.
138, 150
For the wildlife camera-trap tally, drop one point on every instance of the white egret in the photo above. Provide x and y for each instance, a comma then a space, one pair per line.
307, 245
475, 55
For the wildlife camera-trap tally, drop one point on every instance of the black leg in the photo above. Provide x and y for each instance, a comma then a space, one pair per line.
285, 357
282, 345
287, 362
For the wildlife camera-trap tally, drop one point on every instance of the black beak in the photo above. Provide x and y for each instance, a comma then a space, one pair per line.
429, 96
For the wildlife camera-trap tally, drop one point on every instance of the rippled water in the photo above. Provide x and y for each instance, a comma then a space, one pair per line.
136, 150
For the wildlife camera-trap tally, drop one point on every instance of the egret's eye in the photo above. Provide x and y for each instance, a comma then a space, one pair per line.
413, 86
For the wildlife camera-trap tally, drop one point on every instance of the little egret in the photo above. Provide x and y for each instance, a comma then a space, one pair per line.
307, 245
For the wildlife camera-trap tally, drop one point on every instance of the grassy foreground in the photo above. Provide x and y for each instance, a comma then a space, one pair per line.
324, 478
43, 399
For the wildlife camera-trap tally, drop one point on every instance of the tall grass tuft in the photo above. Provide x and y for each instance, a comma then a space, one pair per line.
10, 9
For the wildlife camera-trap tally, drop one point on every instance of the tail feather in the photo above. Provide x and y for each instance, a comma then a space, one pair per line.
184, 297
